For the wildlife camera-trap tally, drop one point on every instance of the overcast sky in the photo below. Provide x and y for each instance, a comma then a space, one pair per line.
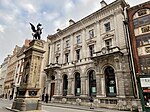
15, 16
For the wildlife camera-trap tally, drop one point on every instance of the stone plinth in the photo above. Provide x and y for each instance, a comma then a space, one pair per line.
28, 92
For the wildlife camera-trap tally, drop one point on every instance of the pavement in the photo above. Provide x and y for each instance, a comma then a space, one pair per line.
78, 107
69, 106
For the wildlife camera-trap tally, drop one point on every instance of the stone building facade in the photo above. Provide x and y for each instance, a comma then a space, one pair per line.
9, 79
90, 58
19, 67
4, 73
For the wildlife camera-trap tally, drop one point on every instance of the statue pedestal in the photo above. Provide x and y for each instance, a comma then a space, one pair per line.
28, 93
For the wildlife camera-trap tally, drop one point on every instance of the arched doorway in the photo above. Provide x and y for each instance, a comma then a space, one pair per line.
77, 84
110, 82
92, 83
65, 85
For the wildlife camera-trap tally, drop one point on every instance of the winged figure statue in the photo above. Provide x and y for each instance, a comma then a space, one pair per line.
36, 32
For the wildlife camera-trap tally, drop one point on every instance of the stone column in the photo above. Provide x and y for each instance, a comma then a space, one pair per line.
73, 87
119, 78
70, 88
100, 85
71, 49
83, 86
120, 84
84, 48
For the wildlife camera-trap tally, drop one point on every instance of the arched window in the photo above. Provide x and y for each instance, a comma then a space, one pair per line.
65, 85
110, 82
77, 84
92, 83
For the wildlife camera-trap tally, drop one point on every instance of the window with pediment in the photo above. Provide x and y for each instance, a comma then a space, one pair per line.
78, 39
58, 47
108, 43
91, 33
57, 57
91, 49
67, 43
78, 54
67, 57
107, 26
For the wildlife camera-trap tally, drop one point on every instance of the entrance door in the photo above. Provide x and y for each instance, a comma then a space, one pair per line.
110, 82
52, 90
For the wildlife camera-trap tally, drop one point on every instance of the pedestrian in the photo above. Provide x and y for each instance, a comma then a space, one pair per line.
46, 98
42, 97
91, 102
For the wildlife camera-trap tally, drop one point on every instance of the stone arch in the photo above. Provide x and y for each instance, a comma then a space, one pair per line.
110, 81
65, 84
105, 66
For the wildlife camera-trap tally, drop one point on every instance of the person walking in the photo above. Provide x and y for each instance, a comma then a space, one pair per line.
91, 102
46, 98
42, 97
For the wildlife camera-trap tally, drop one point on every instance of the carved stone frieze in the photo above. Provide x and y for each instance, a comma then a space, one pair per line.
91, 42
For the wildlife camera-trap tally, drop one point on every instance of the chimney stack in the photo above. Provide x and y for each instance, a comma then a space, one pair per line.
103, 3
71, 22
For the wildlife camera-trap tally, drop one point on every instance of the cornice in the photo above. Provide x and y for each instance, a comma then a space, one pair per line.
98, 15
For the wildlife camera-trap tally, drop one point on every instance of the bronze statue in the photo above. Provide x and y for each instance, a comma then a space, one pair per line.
36, 32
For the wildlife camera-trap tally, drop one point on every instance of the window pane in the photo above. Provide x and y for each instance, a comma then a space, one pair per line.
78, 39
67, 43
78, 54
91, 33
107, 26
138, 42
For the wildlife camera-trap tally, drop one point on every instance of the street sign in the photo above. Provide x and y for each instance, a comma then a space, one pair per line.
145, 82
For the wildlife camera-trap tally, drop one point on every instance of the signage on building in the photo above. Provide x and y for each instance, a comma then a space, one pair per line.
145, 82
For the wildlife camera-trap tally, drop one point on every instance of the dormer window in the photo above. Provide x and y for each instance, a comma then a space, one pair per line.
107, 26
91, 33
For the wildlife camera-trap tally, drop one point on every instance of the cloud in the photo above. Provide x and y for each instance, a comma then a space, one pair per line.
15, 16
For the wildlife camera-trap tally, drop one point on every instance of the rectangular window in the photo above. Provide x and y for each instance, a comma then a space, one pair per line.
107, 26
91, 33
57, 59
66, 57
78, 39
78, 54
108, 43
58, 47
67, 43
91, 49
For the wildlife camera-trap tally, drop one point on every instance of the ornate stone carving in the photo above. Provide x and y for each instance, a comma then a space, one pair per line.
77, 47
91, 42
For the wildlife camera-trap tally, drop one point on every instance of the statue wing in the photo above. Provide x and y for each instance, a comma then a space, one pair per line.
32, 27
